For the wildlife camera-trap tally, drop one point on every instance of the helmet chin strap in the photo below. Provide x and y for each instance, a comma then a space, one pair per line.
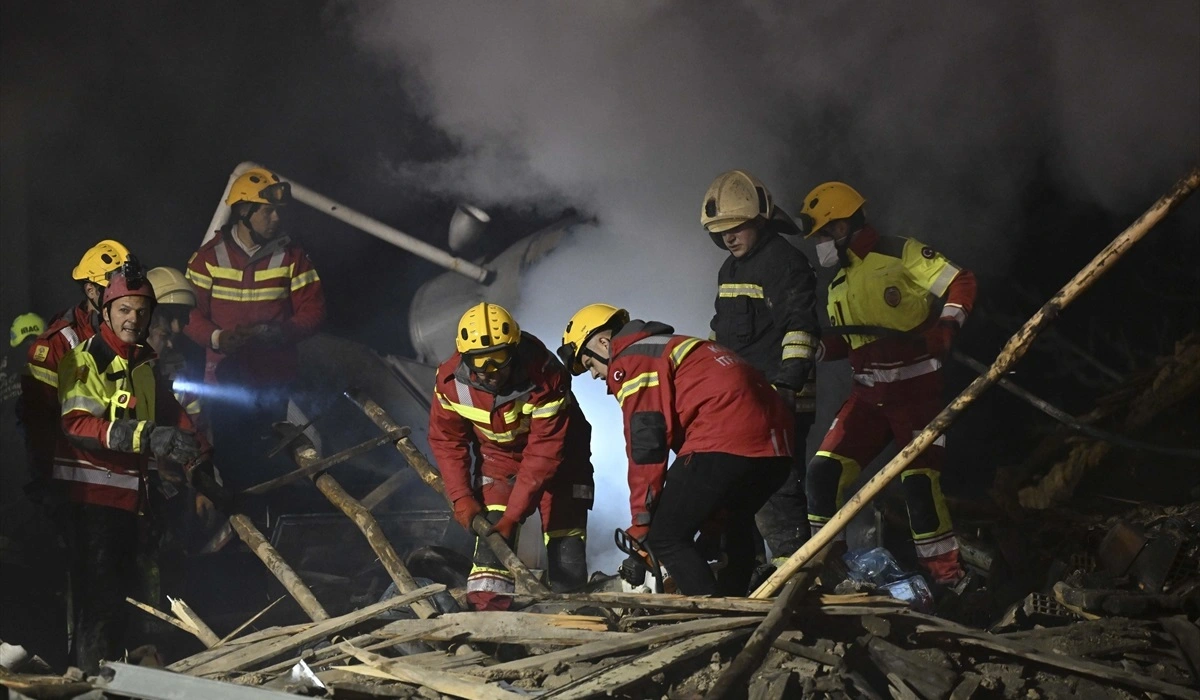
245, 219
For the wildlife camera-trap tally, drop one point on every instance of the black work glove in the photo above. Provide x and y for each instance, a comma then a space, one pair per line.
205, 483
174, 444
633, 570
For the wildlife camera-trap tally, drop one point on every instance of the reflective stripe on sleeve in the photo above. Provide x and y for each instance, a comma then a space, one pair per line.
305, 279
272, 273
102, 477
799, 338
83, 403
728, 291
636, 384
798, 352
44, 375
224, 273
954, 312
548, 410
138, 434
942, 283
201, 281
681, 351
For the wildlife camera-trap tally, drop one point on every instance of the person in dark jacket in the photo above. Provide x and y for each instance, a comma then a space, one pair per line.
766, 312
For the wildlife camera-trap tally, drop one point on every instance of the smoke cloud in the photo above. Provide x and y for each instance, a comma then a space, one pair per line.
940, 113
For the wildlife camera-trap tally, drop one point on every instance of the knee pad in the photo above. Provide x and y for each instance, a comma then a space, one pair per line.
829, 477
927, 512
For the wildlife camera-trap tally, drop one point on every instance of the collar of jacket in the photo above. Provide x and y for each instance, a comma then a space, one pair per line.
130, 352
634, 331
864, 241
264, 251
84, 317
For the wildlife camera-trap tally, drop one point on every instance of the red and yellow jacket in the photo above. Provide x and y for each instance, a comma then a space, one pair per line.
101, 382
278, 285
528, 432
686, 395
893, 283
39, 407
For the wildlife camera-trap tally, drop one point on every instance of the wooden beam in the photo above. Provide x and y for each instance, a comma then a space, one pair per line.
305, 455
275, 563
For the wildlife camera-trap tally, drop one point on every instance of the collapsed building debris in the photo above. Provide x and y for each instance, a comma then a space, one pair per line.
1115, 619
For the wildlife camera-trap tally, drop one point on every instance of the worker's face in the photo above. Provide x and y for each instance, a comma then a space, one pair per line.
495, 380
598, 344
740, 240
266, 221
836, 231
129, 317
94, 293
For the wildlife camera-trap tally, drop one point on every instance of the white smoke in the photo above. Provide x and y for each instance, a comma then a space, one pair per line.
938, 112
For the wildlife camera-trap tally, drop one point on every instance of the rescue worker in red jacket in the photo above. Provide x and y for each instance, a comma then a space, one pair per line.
116, 416
507, 398
257, 293
39, 408
732, 437
766, 312
257, 296
895, 305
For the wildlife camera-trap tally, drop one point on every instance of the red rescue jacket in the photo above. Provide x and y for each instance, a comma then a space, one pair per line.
103, 380
527, 433
686, 395
39, 408
278, 285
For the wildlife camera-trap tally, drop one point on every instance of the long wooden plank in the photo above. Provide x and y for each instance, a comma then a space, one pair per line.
252, 654
441, 681
699, 604
542, 664
618, 676
495, 626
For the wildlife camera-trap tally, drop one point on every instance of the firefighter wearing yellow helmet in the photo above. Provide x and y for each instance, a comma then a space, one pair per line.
895, 305
506, 398
766, 312
39, 405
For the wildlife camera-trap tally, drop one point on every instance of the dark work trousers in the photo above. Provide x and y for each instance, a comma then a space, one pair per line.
783, 519
698, 488
103, 548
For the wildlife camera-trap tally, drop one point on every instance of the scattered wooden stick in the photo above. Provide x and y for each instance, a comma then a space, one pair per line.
429, 474
292, 583
305, 455
199, 627
321, 465
249, 622
1013, 351
169, 619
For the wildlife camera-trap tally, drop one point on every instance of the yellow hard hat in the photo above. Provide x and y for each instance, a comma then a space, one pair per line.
24, 326
829, 202
487, 333
100, 261
171, 287
732, 199
587, 321
260, 186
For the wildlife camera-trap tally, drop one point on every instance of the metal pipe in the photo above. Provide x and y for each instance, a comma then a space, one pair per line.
358, 220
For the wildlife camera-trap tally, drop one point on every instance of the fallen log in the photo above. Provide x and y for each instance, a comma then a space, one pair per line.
305, 455
1013, 351
429, 474
275, 563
